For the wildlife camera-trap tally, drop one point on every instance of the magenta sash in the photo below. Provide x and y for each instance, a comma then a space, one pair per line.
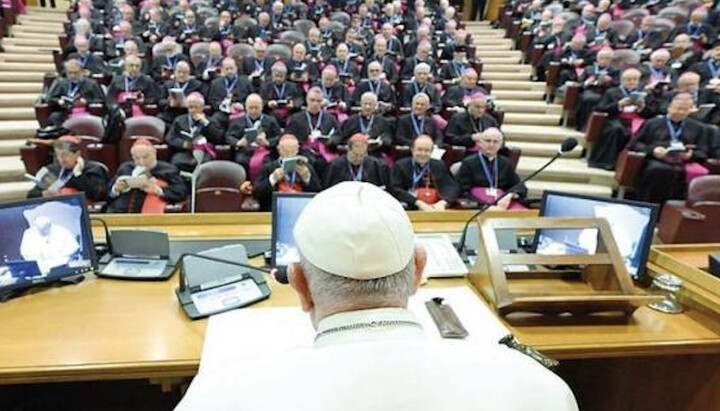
256, 162
636, 121
78, 112
226, 44
136, 109
321, 148
206, 147
482, 195
466, 99
339, 115
439, 121
236, 114
694, 170
281, 112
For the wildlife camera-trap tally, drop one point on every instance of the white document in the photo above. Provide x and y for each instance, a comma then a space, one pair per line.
443, 259
246, 334
437, 153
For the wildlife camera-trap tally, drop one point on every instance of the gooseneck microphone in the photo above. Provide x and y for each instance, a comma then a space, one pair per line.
567, 145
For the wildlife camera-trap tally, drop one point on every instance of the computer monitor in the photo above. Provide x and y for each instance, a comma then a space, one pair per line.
44, 240
631, 223
286, 208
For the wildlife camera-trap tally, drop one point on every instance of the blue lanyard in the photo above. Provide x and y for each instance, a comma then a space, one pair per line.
325, 92
365, 129
260, 66
344, 67
600, 34
65, 175
694, 31
419, 174
641, 35
418, 89
458, 68
600, 71
251, 123
625, 92
230, 87
210, 63
73, 90
279, 93
356, 176
418, 128
675, 134
375, 90
193, 125
83, 61
490, 175
657, 74
318, 123
715, 71
468, 91
130, 84
171, 61
183, 86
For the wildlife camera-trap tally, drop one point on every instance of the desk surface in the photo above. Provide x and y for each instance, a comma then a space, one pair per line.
111, 329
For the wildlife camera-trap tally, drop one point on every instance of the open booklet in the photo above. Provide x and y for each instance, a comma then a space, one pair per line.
289, 163
43, 179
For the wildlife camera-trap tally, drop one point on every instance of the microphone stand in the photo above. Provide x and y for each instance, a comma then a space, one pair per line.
486, 206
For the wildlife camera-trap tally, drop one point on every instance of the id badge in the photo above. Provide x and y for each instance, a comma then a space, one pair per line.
315, 134
492, 192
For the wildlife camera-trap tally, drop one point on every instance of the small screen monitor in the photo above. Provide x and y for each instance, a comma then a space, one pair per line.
631, 222
286, 208
44, 240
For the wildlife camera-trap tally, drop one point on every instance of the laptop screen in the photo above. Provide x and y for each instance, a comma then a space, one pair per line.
44, 240
631, 222
286, 209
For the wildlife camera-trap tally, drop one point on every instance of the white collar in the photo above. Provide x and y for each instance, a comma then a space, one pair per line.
372, 325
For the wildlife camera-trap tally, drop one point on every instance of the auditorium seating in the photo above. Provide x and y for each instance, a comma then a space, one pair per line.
695, 220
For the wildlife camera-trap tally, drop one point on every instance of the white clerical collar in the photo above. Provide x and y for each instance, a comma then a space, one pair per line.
368, 325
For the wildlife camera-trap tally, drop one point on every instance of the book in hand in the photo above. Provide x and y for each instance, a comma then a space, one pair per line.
290, 163
43, 179
256, 74
676, 147
637, 95
177, 94
282, 102
251, 133
135, 181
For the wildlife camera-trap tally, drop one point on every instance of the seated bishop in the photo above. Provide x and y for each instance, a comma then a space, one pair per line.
421, 182
70, 173
356, 165
291, 172
145, 184
485, 176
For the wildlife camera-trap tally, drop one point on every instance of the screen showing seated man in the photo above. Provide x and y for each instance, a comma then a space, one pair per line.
43, 240
631, 224
286, 210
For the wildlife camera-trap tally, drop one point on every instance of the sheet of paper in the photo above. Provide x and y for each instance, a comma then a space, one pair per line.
437, 153
443, 259
244, 334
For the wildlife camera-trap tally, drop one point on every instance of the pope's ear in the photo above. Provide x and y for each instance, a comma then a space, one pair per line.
298, 281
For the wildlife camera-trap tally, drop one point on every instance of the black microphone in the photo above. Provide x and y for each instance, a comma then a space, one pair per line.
568, 145
179, 263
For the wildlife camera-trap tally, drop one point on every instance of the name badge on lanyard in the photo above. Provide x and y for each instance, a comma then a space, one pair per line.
365, 129
417, 176
490, 175
675, 134
314, 128
355, 175
418, 125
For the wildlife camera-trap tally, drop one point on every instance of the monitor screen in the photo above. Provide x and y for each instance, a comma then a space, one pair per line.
286, 209
631, 222
44, 240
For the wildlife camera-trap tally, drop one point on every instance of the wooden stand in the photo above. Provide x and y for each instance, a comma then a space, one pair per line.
596, 282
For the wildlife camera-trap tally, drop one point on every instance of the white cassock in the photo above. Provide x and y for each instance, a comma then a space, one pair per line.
52, 250
383, 368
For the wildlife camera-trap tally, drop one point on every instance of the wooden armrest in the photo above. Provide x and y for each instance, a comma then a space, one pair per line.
628, 166
595, 126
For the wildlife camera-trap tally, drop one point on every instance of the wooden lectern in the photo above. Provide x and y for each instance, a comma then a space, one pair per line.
585, 283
